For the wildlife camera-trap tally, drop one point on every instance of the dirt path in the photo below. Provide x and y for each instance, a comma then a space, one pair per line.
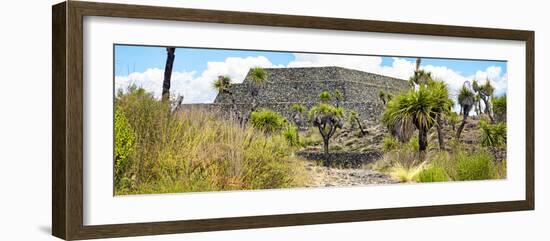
325, 177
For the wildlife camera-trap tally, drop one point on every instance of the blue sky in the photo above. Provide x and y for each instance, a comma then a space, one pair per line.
195, 68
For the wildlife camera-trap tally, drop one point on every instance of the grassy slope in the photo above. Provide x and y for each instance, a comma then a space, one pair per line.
194, 150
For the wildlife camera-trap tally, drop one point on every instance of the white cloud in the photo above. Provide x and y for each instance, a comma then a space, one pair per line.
198, 88
195, 89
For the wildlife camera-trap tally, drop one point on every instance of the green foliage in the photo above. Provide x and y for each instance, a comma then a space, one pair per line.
382, 95
258, 75
465, 96
412, 109
433, 174
475, 85
493, 135
298, 108
267, 120
487, 89
338, 95
459, 165
195, 150
499, 107
417, 109
390, 143
324, 96
440, 93
326, 109
124, 145
402, 173
222, 84
291, 135
453, 119
420, 77
478, 166
352, 115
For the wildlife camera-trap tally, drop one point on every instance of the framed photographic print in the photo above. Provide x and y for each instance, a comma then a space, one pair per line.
171, 120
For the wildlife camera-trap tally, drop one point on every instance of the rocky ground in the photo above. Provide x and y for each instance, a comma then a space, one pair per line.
329, 177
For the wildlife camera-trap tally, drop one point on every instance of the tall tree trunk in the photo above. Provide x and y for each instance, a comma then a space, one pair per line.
461, 127
488, 109
168, 73
440, 133
363, 132
325, 148
422, 143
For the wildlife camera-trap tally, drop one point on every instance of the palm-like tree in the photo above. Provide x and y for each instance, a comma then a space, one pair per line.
353, 117
339, 97
382, 96
499, 108
413, 109
485, 93
223, 85
477, 105
442, 106
298, 117
466, 100
258, 76
420, 77
327, 119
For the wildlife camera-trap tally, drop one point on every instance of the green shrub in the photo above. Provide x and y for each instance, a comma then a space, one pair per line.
298, 108
267, 120
390, 143
446, 161
124, 145
402, 173
324, 96
499, 108
478, 166
291, 135
433, 174
492, 135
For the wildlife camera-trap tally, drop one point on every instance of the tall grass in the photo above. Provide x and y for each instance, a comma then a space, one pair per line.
196, 150
459, 165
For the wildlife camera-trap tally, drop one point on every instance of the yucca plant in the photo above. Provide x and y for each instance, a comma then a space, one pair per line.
298, 117
267, 120
492, 135
466, 100
499, 108
339, 96
353, 117
258, 76
413, 109
485, 92
223, 85
382, 96
420, 76
442, 106
327, 119
324, 96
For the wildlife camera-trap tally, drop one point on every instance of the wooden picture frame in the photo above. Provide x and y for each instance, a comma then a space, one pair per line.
67, 119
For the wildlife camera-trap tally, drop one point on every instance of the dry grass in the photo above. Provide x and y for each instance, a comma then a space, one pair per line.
194, 150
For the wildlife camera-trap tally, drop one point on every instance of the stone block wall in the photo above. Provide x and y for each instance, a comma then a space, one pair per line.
287, 86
